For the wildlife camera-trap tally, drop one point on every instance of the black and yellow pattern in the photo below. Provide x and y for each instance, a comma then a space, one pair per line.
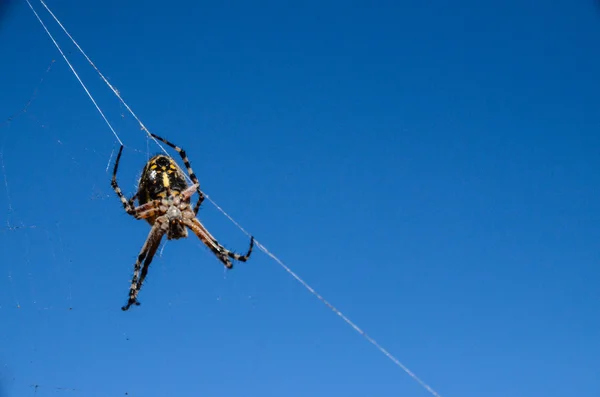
160, 178
164, 202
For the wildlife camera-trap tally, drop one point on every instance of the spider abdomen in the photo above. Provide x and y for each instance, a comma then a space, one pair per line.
161, 177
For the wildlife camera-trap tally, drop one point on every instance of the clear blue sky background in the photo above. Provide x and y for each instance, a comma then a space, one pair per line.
431, 168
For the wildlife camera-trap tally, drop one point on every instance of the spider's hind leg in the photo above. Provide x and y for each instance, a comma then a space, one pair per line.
146, 255
131, 301
238, 257
220, 252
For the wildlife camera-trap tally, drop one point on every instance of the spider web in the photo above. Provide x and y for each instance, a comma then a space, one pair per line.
70, 234
46, 241
24, 239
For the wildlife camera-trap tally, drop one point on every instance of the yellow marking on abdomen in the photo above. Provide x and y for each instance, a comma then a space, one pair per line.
166, 181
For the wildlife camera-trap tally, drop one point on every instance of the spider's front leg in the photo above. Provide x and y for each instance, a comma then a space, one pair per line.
189, 192
128, 205
148, 210
152, 208
198, 204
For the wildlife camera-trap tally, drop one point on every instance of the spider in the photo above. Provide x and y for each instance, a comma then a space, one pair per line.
164, 198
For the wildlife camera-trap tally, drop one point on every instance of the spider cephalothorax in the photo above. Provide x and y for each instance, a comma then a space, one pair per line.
164, 197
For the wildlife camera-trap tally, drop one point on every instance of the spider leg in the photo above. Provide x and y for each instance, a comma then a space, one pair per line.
147, 262
220, 252
245, 257
188, 166
131, 201
200, 197
148, 250
150, 209
198, 204
189, 192
147, 210
213, 245
127, 204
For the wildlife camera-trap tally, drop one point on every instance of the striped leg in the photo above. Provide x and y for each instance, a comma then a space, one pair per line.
188, 166
158, 207
220, 252
147, 253
198, 204
147, 262
189, 192
148, 210
127, 204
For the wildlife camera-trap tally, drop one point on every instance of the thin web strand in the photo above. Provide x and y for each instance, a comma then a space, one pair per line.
31, 99
258, 244
74, 72
113, 89
8, 199
329, 305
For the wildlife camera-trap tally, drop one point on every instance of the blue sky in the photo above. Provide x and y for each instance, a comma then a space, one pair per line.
431, 168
